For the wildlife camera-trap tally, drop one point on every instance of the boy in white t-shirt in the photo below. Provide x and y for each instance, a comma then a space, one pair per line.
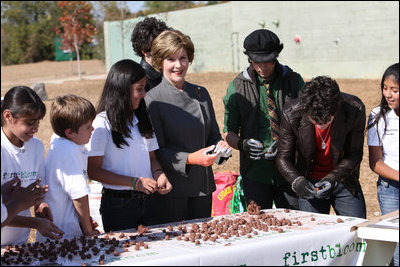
71, 118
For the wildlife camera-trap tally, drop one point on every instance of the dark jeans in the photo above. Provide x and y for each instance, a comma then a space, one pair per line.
174, 209
342, 201
121, 209
264, 195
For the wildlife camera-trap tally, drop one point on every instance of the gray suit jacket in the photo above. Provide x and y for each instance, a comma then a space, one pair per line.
184, 122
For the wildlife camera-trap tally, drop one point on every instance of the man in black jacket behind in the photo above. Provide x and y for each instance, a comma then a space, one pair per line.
142, 38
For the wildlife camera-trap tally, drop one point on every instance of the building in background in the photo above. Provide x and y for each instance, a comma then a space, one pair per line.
337, 38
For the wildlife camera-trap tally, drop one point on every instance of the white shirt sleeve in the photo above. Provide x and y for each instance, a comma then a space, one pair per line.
4, 212
373, 138
98, 142
152, 144
75, 183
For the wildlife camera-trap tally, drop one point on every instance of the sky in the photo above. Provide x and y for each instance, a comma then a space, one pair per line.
135, 6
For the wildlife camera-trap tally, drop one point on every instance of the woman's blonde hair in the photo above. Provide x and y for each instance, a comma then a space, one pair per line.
168, 43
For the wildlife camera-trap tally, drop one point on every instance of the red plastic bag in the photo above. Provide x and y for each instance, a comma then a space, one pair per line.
225, 183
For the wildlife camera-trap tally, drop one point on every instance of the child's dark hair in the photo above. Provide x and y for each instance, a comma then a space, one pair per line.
116, 101
22, 101
320, 98
392, 70
70, 112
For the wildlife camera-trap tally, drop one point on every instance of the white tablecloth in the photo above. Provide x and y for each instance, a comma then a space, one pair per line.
319, 240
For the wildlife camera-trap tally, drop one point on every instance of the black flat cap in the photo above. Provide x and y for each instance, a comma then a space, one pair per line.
262, 46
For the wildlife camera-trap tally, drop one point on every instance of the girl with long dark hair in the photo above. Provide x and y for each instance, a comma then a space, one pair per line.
122, 151
383, 135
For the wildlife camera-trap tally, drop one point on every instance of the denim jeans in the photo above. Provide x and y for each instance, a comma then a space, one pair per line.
388, 197
342, 201
264, 195
119, 213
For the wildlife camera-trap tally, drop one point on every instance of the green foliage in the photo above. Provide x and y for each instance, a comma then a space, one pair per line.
152, 7
27, 31
28, 28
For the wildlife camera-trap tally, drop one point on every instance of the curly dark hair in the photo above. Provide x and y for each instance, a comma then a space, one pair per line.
145, 32
320, 98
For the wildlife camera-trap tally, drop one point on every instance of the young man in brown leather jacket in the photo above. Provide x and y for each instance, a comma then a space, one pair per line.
321, 148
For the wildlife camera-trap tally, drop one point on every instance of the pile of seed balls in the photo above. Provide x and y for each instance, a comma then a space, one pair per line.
101, 246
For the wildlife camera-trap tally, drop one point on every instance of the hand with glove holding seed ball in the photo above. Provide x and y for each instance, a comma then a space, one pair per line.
252, 149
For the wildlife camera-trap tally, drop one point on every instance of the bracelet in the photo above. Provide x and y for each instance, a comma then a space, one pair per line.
157, 171
134, 182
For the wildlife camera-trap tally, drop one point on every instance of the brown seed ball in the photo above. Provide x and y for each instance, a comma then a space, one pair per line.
339, 220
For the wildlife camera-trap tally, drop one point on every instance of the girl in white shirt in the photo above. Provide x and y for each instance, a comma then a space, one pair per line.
121, 151
383, 143
22, 156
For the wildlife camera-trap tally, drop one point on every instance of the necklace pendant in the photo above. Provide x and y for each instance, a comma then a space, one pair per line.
323, 145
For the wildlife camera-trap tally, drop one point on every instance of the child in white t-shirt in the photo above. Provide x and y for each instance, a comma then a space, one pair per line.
383, 144
71, 118
122, 151
22, 156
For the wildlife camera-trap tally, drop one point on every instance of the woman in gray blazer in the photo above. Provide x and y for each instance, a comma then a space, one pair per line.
187, 132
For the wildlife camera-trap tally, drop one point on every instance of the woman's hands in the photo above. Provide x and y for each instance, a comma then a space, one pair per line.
207, 156
203, 157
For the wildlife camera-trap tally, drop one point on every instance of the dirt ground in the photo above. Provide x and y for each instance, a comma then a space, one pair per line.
216, 83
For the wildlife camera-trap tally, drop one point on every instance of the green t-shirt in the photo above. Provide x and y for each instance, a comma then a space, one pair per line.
263, 171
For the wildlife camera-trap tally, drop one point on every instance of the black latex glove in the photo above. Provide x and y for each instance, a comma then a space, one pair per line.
304, 188
326, 186
252, 149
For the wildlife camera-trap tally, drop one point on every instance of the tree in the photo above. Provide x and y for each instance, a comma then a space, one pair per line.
27, 31
76, 26
152, 7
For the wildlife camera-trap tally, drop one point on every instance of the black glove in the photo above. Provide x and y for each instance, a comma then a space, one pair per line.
326, 186
304, 188
252, 149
